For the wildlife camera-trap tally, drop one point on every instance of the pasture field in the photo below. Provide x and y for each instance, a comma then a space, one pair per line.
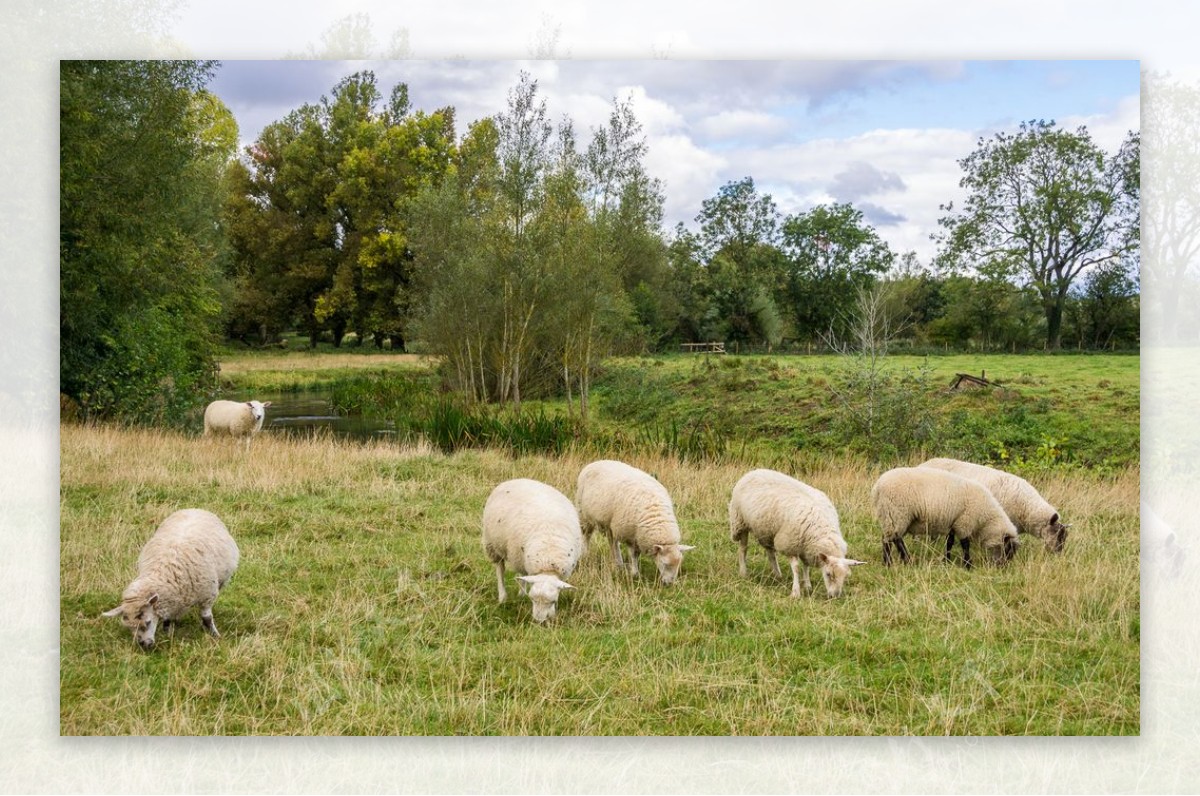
364, 605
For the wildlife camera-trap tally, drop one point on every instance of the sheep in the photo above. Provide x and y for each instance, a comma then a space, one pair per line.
1028, 510
532, 528
790, 517
932, 501
630, 506
187, 561
239, 420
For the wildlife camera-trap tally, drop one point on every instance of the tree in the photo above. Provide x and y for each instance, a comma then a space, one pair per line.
321, 215
832, 255
1045, 204
142, 152
737, 241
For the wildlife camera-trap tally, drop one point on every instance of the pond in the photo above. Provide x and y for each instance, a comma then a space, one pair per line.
303, 413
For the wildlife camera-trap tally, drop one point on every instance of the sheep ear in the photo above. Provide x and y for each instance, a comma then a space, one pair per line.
250, 404
266, 404
657, 549
153, 599
1054, 519
824, 559
853, 562
113, 612
525, 578
562, 584
683, 548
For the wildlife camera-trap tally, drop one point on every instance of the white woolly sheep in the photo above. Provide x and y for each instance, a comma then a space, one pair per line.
240, 420
187, 561
936, 502
533, 529
631, 507
788, 516
1028, 510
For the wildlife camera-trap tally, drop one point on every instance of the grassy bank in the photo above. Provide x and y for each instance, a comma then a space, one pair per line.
364, 605
1049, 411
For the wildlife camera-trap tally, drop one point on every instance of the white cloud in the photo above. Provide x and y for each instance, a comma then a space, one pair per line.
690, 174
735, 124
1108, 130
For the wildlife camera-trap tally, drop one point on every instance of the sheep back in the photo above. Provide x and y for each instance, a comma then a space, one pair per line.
932, 501
1021, 501
234, 418
785, 515
187, 561
627, 503
532, 528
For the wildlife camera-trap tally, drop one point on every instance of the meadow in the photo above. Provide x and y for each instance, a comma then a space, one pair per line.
364, 604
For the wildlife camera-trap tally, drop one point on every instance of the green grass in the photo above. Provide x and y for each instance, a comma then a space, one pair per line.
364, 605
1074, 409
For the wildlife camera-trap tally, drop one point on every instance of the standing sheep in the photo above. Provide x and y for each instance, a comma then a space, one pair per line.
789, 517
935, 502
630, 506
239, 420
187, 561
532, 528
1028, 510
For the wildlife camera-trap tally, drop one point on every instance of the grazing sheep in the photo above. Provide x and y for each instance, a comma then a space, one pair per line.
187, 561
630, 506
1028, 510
532, 528
239, 420
931, 501
789, 517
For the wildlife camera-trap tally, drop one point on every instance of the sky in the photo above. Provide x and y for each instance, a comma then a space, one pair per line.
885, 136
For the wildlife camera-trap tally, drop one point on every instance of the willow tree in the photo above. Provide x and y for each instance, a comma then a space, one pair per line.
1044, 204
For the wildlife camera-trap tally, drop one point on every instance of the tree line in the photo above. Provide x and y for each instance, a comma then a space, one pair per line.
524, 251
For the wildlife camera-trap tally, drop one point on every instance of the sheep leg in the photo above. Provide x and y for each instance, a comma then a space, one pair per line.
887, 553
774, 563
966, 548
795, 562
949, 545
206, 618
904, 556
742, 556
500, 581
633, 560
618, 559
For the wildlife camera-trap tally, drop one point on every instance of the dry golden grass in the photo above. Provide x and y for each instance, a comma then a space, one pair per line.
306, 362
364, 605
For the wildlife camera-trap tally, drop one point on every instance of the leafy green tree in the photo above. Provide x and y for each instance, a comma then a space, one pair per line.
143, 150
455, 273
987, 312
738, 235
284, 235
1044, 204
832, 253
1103, 313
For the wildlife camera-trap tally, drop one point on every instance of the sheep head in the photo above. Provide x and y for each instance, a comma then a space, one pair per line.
1055, 534
669, 558
835, 570
139, 615
543, 593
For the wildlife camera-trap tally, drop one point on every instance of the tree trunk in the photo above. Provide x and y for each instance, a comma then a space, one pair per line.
1054, 317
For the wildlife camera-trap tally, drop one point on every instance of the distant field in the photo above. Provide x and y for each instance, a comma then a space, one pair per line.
364, 605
